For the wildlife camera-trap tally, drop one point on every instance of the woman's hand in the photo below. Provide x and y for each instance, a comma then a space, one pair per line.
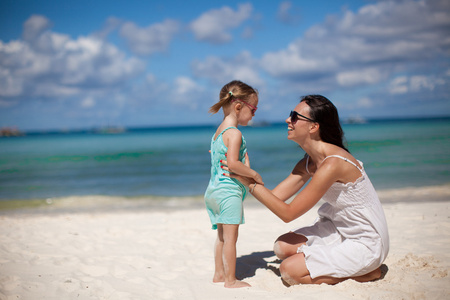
244, 180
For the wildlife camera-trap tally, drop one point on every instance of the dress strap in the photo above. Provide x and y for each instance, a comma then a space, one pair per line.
215, 137
341, 157
231, 127
307, 163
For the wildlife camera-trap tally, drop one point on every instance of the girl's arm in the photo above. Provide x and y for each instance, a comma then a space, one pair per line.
247, 160
233, 141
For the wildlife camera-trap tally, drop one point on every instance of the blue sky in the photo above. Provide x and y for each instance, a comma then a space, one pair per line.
81, 64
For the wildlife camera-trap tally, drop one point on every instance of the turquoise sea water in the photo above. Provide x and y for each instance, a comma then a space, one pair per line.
175, 161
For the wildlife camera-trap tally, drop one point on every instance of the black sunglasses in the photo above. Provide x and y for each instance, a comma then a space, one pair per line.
295, 116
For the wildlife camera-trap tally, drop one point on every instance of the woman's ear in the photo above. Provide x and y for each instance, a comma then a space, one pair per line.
314, 127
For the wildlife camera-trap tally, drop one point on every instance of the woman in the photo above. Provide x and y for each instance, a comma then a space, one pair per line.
350, 238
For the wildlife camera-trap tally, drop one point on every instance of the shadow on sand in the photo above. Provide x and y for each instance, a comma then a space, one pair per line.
247, 265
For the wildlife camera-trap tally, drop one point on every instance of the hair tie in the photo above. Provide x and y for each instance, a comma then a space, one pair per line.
231, 94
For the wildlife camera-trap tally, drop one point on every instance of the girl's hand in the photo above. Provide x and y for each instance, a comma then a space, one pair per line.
258, 179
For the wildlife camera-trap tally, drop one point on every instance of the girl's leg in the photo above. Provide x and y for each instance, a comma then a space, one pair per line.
219, 272
230, 236
294, 271
287, 244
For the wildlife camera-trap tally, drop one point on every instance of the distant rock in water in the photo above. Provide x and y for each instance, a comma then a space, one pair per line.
10, 131
355, 120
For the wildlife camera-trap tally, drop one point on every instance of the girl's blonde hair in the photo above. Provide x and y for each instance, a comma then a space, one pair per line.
234, 90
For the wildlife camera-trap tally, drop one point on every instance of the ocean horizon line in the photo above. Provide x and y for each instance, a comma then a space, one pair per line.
118, 129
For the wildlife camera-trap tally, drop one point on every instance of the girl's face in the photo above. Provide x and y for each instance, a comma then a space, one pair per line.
248, 110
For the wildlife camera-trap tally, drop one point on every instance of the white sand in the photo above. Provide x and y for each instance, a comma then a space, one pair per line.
141, 253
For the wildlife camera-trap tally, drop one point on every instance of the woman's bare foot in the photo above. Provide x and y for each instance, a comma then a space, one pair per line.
237, 284
374, 275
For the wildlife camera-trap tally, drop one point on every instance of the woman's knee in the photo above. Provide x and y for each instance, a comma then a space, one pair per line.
287, 272
293, 270
281, 250
287, 244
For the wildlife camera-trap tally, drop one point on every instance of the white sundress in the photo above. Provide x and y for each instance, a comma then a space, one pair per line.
350, 237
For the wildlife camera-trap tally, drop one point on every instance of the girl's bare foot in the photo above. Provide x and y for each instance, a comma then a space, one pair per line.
237, 284
218, 278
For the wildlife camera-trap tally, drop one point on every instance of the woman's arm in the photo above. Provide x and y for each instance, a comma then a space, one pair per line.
285, 189
271, 199
304, 201
293, 183
322, 180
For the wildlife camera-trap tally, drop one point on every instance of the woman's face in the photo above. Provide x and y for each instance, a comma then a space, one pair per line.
298, 125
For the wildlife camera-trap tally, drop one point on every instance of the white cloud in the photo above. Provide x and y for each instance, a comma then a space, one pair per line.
399, 85
416, 83
421, 82
293, 62
247, 33
213, 26
34, 27
111, 24
186, 92
9, 85
88, 102
220, 70
48, 64
287, 13
151, 39
379, 40
359, 76
364, 102
185, 86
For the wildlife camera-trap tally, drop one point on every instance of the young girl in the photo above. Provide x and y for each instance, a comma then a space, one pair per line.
224, 196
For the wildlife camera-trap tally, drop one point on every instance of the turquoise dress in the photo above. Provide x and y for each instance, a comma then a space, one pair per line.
224, 196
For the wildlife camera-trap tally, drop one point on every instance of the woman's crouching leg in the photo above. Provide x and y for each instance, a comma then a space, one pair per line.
287, 244
294, 271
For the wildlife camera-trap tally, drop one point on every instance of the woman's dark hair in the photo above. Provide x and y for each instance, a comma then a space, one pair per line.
325, 113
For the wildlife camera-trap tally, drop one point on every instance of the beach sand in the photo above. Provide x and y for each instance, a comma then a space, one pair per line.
97, 247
